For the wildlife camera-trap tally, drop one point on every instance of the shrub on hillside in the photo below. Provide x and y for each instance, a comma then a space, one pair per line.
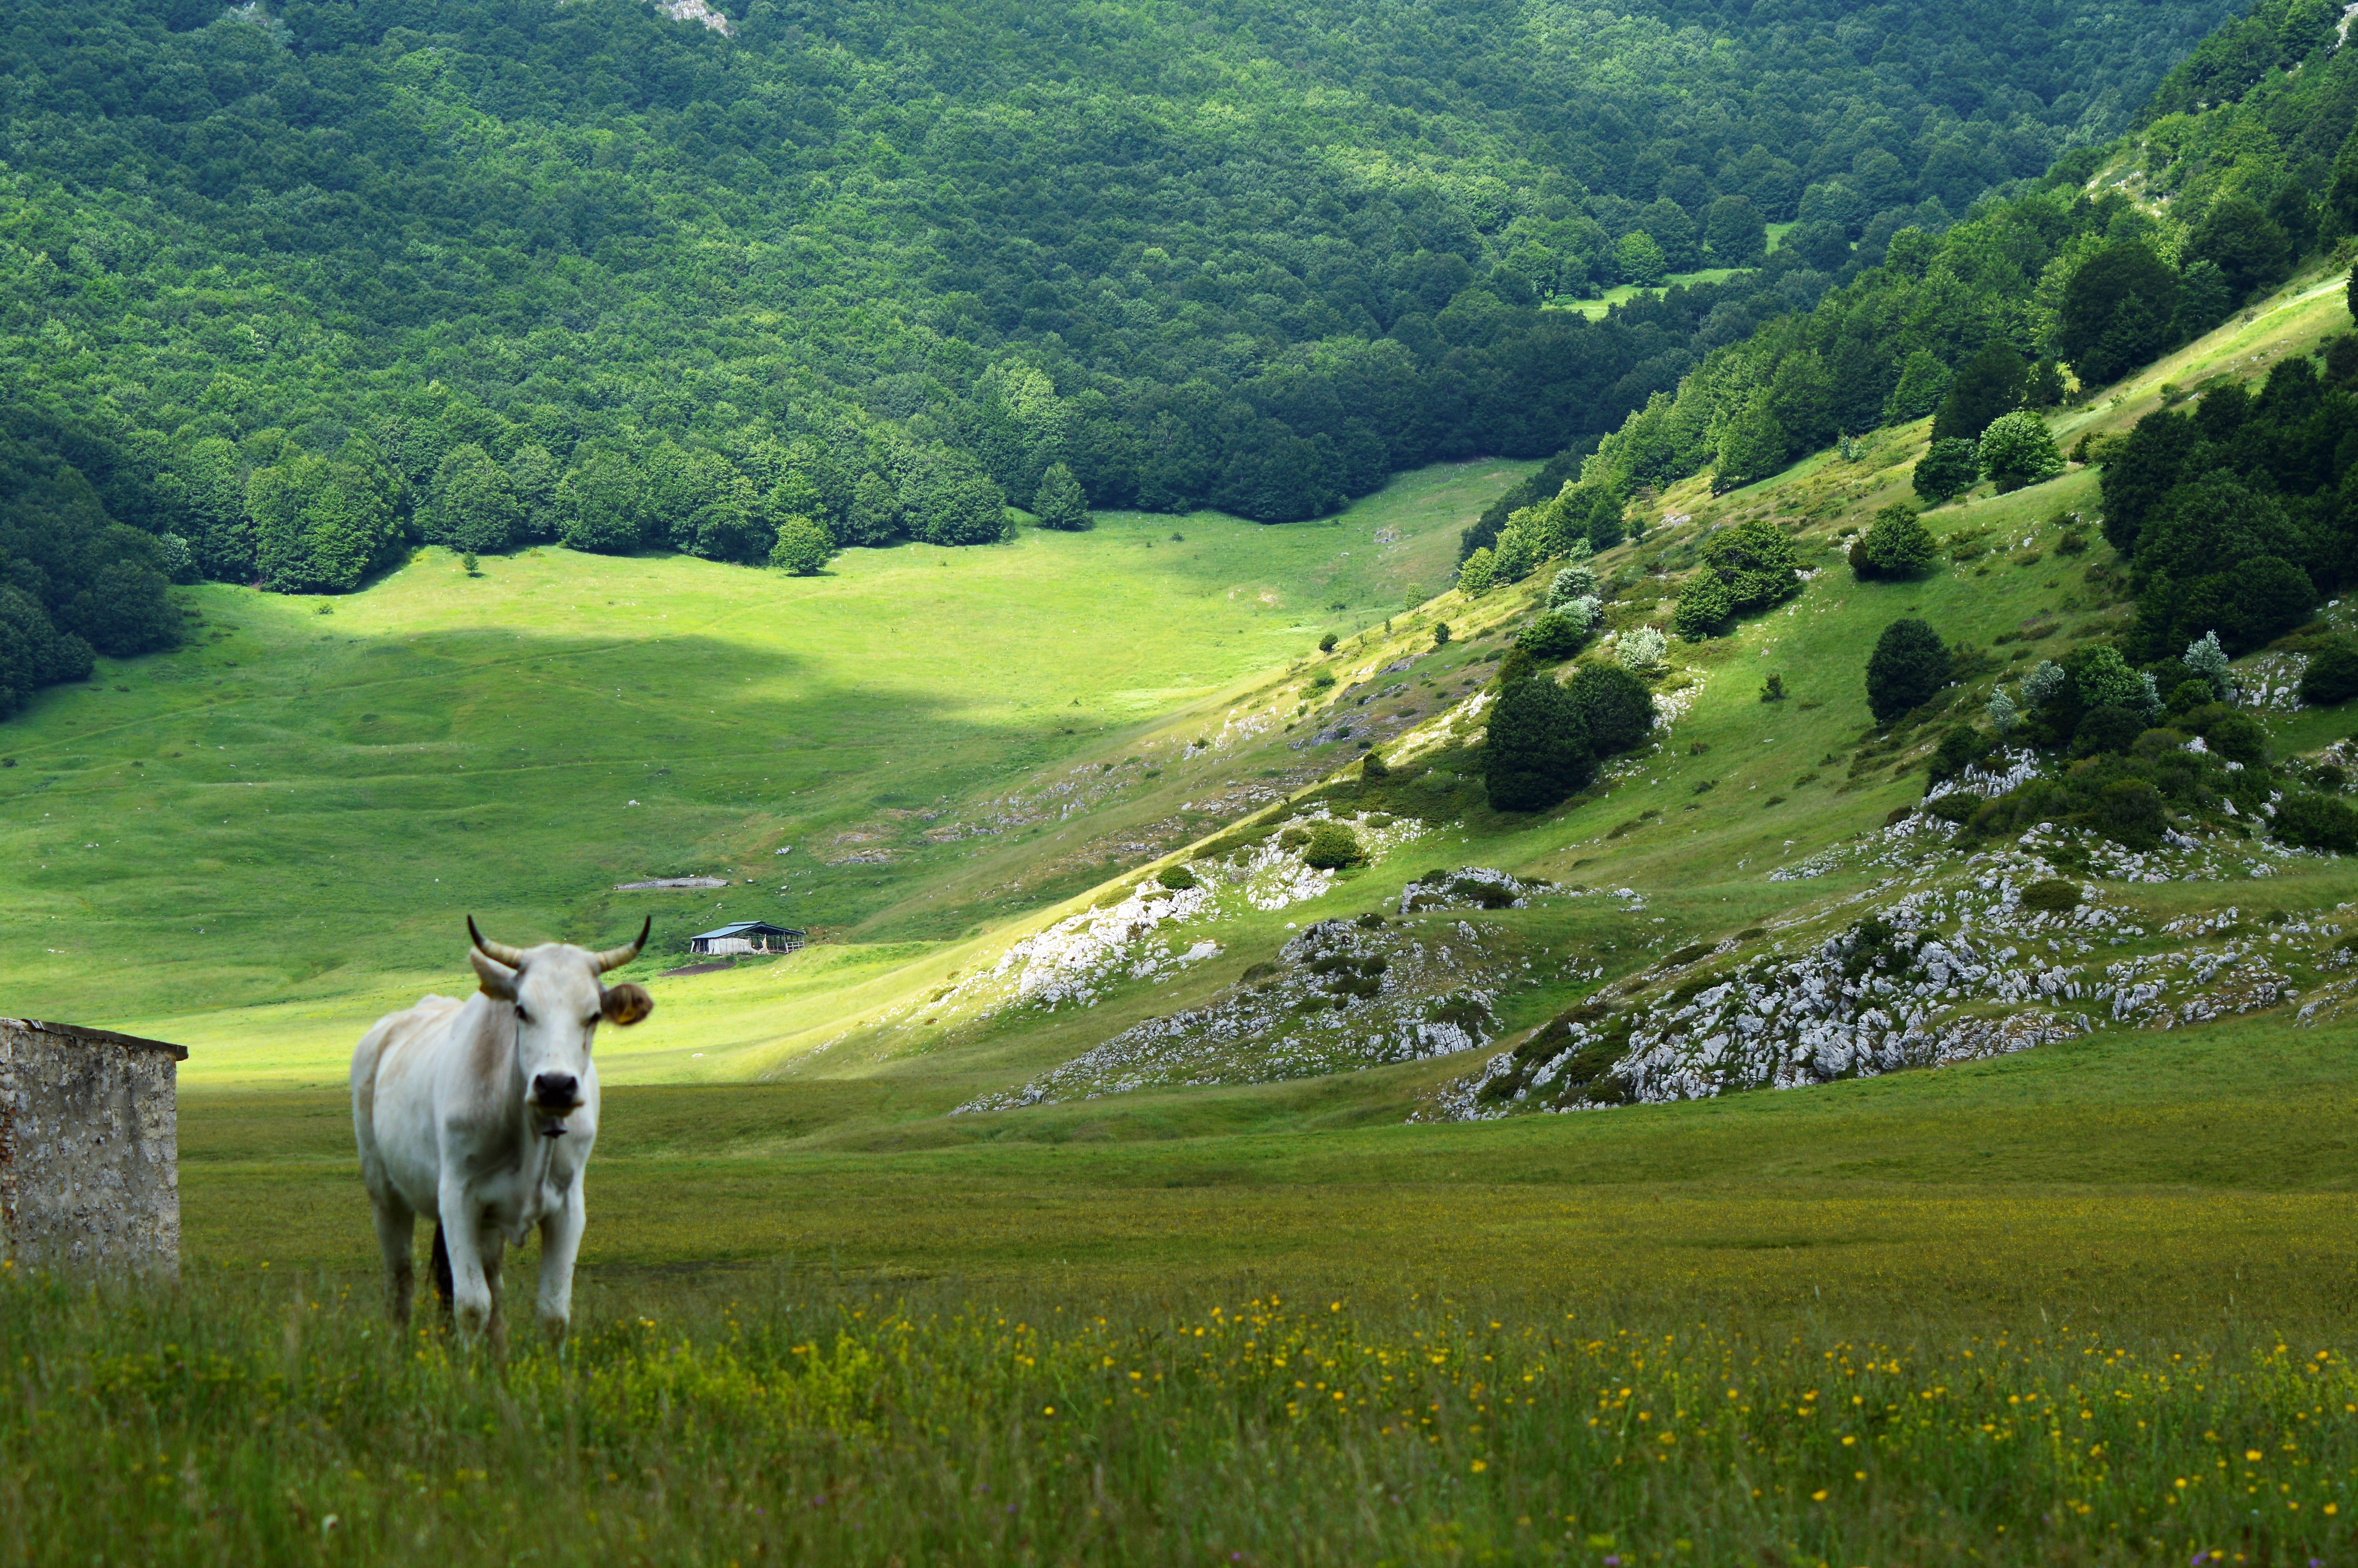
2106, 729
1959, 748
2052, 895
1640, 649
2332, 677
1552, 637
1705, 607
2090, 677
2208, 661
2016, 450
1947, 470
2239, 738
1331, 846
1895, 545
2318, 822
1576, 581
1178, 879
1059, 501
1537, 749
2128, 811
1475, 573
1615, 711
803, 548
1909, 665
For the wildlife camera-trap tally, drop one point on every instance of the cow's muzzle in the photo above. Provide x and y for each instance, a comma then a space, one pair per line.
554, 1097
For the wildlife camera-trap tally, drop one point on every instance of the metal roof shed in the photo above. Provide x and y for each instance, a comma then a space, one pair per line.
745, 936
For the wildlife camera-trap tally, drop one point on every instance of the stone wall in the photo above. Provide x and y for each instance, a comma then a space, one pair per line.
90, 1173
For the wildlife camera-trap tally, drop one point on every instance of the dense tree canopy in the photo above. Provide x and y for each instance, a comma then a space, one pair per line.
1967, 324
2238, 516
506, 270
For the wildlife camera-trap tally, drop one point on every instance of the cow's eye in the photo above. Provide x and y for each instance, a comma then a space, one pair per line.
592, 1021
522, 1016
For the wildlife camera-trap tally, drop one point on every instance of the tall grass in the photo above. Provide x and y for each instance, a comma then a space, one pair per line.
738, 1420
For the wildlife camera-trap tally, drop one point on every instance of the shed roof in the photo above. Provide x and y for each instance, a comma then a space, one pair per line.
90, 1036
746, 928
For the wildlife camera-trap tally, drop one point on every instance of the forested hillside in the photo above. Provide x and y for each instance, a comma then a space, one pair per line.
491, 271
2238, 516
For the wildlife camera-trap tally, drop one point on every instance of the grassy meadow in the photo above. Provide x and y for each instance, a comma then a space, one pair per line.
2088, 1304
301, 805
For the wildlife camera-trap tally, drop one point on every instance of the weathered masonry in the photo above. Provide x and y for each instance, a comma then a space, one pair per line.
90, 1153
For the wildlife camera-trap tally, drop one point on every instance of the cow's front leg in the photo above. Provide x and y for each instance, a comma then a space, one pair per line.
396, 1234
495, 1248
560, 1241
464, 1233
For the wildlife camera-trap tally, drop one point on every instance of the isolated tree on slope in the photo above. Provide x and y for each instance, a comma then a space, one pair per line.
1575, 582
1909, 665
1948, 470
803, 547
1059, 501
1897, 545
1537, 749
2016, 450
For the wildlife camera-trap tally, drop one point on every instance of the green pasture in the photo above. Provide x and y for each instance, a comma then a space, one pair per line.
2186, 1166
271, 834
2086, 1305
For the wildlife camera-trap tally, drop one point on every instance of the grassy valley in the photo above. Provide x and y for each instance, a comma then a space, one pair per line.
517, 743
1772, 1151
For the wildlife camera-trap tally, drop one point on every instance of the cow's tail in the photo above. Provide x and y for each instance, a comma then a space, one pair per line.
441, 1269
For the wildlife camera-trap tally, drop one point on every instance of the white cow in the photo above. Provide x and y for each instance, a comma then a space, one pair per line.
479, 1115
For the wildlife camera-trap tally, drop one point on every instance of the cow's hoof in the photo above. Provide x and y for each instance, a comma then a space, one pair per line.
556, 1328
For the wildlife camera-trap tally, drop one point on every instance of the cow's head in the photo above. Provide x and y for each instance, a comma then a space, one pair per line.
559, 1001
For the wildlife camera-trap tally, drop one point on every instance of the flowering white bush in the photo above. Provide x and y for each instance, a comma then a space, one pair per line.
1641, 648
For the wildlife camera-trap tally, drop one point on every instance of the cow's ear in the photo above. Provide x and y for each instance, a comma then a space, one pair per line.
626, 1003
499, 980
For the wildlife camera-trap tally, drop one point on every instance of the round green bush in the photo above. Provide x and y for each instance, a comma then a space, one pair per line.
1613, 707
1332, 847
1948, 470
2016, 451
2128, 812
2332, 677
2239, 738
2106, 729
1897, 545
1536, 750
1178, 879
1706, 603
2318, 822
1909, 665
1552, 637
2052, 893
2189, 695
803, 547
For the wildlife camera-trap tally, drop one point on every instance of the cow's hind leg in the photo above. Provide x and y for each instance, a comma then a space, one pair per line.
396, 1233
441, 1268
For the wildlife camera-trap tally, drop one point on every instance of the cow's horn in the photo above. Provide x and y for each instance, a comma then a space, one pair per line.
512, 956
615, 957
